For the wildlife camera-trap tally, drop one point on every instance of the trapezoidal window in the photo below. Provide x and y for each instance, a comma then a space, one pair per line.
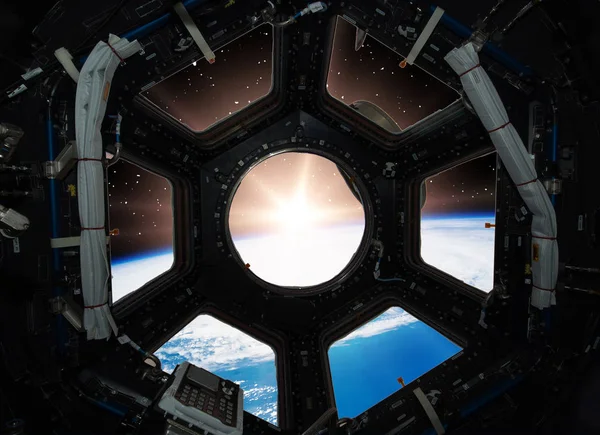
231, 354
295, 221
141, 221
361, 372
370, 80
203, 94
458, 215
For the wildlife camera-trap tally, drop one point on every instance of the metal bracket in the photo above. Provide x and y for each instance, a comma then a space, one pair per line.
479, 39
59, 168
553, 186
69, 310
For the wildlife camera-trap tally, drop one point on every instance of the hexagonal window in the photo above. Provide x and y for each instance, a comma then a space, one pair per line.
141, 210
368, 78
361, 372
297, 220
458, 216
231, 354
202, 94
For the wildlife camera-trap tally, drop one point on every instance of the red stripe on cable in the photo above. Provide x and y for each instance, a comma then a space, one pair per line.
96, 306
527, 182
499, 128
115, 52
544, 289
542, 237
470, 69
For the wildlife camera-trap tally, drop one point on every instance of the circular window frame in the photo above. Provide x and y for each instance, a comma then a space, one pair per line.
343, 162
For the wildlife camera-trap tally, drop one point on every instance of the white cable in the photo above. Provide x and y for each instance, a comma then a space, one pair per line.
488, 106
93, 89
69, 242
433, 417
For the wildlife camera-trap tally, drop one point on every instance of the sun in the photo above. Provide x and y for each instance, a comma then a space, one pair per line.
295, 215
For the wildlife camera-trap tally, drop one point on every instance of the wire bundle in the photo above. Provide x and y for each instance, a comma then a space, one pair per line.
93, 89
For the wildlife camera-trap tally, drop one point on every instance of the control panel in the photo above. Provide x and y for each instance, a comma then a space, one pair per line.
204, 400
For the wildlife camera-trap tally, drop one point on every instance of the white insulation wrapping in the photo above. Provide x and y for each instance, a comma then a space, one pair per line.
518, 162
93, 89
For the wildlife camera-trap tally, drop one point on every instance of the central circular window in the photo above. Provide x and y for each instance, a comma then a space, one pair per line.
297, 220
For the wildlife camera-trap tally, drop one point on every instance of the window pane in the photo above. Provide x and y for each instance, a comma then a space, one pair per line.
202, 94
141, 208
457, 218
295, 221
371, 81
361, 371
231, 354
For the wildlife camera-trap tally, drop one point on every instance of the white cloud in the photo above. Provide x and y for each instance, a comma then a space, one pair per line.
463, 248
130, 276
214, 345
390, 320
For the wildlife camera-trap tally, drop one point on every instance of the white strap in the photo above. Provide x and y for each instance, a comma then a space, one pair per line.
65, 59
435, 421
425, 35
69, 242
191, 27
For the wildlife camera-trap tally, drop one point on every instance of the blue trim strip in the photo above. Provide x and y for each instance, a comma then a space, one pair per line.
53, 183
109, 407
488, 396
484, 399
554, 151
61, 332
147, 28
490, 49
554, 141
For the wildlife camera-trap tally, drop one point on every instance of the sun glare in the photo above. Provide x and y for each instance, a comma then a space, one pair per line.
294, 221
296, 215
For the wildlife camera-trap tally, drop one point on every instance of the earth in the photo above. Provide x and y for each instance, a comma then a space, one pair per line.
461, 247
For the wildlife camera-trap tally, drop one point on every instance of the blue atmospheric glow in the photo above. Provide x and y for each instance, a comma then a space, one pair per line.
455, 216
141, 256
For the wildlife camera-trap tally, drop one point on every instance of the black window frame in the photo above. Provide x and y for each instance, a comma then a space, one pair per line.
367, 314
412, 232
385, 139
214, 136
183, 258
277, 342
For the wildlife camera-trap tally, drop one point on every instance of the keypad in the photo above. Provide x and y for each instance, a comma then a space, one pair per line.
219, 404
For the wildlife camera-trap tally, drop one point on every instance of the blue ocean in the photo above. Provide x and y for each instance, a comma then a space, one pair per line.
365, 371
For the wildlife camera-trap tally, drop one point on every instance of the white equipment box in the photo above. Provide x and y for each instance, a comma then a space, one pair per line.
202, 400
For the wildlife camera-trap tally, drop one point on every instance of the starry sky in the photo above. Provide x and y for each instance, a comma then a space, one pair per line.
140, 206
202, 94
316, 181
468, 189
373, 74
